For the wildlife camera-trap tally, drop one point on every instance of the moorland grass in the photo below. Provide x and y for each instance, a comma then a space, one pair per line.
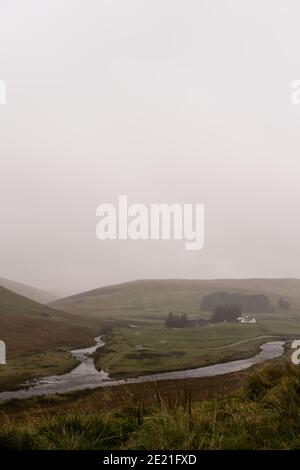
263, 414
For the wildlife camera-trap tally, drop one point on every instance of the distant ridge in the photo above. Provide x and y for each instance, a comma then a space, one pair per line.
160, 296
30, 292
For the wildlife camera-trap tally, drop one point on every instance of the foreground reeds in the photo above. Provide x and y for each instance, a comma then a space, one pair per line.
263, 414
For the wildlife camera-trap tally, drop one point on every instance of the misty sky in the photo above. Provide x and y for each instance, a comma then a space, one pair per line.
159, 100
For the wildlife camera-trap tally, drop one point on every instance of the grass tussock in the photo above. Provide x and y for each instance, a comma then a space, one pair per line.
263, 414
73, 431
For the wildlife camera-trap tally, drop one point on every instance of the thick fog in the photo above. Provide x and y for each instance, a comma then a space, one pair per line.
160, 100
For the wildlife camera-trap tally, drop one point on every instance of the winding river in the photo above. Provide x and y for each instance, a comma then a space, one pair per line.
86, 376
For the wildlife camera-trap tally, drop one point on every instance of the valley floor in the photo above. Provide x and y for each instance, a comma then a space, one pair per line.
145, 347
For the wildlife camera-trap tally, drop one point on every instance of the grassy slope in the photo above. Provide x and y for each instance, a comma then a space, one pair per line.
153, 298
32, 293
30, 329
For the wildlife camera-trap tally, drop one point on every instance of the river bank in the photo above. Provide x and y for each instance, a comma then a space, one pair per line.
86, 376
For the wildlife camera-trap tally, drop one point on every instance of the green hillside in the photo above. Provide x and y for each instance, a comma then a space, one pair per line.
154, 298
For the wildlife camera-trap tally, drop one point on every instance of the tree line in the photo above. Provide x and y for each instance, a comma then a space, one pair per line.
250, 303
176, 321
228, 313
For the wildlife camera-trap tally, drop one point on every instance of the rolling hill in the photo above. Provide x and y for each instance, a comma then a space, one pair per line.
28, 327
152, 298
32, 293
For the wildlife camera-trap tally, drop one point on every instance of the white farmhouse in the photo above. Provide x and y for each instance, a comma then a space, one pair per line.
246, 319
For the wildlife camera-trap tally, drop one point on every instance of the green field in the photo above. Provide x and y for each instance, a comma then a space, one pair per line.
150, 347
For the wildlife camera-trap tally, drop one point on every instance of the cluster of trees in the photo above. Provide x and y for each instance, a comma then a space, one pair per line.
176, 321
253, 303
283, 304
226, 307
226, 312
